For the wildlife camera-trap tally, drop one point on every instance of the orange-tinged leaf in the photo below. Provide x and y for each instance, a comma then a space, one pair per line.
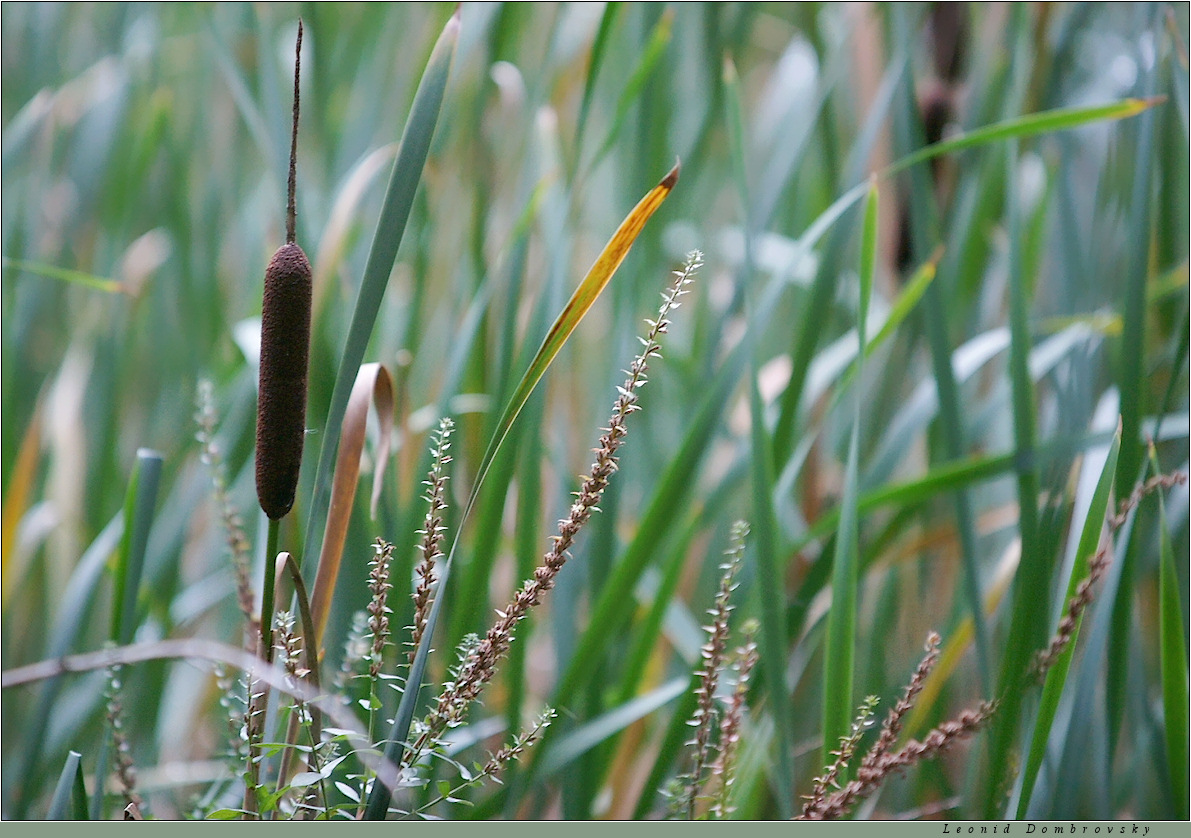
373, 385
16, 501
577, 306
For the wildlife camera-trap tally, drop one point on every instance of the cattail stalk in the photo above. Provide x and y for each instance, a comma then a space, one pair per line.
281, 400
285, 350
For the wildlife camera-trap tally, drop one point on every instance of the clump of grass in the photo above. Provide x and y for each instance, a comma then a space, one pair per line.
828, 800
496, 763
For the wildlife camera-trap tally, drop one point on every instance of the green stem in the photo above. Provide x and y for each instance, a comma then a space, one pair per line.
267, 585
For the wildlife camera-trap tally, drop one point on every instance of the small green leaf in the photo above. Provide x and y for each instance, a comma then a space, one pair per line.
226, 814
304, 779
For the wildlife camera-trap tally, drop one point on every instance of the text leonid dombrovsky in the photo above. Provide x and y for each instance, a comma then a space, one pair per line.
1047, 829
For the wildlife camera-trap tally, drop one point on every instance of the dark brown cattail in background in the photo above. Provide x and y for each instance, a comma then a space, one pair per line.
285, 350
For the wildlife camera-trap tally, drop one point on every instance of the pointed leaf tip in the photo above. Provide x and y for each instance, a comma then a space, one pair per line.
672, 177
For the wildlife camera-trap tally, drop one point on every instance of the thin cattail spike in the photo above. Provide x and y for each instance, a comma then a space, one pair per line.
285, 349
291, 207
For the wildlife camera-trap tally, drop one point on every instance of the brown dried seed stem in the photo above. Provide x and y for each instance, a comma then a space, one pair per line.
712, 654
291, 211
480, 664
432, 532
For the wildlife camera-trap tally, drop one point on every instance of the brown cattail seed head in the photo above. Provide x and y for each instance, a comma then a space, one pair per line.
285, 350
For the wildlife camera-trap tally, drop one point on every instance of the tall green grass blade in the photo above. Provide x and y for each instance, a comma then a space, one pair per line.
659, 40
815, 310
390, 227
734, 120
1028, 622
1173, 657
948, 476
1131, 372
903, 305
130, 564
868, 263
69, 802
1056, 678
905, 302
598, 48
823, 288
766, 548
577, 306
924, 233
840, 651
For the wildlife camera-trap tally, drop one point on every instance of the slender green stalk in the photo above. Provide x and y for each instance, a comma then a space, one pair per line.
268, 582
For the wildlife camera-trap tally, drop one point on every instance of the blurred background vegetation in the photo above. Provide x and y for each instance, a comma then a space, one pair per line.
144, 164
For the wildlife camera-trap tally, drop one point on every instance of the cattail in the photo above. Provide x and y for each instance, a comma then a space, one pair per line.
285, 349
